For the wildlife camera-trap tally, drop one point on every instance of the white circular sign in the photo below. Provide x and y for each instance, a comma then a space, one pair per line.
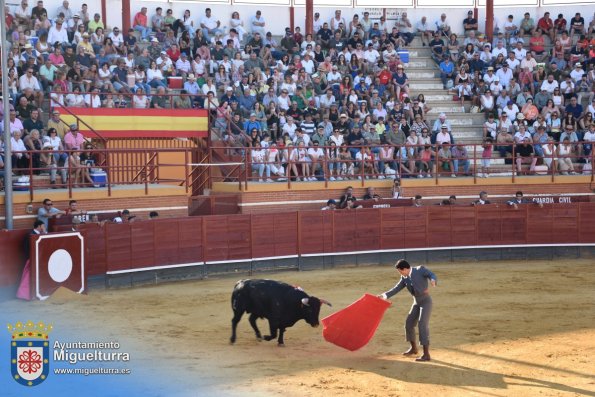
60, 265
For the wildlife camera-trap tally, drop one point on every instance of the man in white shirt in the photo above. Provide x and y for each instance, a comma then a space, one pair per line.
504, 74
511, 110
529, 62
519, 51
371, 56
327, 100
496, 86
116, 37
58, 33
29, 81
513, 62
317, 23
284, 100
290, 128
567, 87
183, 65
257, 24
93, 100
316, 155
577, 73
336, 20
390, 51
334, 77
499, 49
442, 26
210, 25
22, 13
550, 84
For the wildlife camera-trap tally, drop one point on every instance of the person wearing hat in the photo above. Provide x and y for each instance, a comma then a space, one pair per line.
330, 205
577, 73
447, 70
183, 65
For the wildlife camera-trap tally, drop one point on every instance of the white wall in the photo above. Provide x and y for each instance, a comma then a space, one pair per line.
277, 17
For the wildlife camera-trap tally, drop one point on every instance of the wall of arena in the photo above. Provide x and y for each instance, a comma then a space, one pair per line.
197, 247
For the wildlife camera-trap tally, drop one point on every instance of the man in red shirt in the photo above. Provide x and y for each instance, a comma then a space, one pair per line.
384, 76
547, 26
9, 18
560, 24
537, 46
173, 53
140, 24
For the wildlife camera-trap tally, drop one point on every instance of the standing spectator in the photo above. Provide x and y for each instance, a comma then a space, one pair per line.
486, 158
483, 199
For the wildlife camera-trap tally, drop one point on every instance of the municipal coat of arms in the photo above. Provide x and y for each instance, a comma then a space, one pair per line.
29, 352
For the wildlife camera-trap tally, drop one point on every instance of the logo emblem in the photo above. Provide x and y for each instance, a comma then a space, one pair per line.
29, 352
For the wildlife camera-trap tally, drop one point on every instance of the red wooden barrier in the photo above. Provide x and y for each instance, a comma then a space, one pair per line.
12, 256
126, 247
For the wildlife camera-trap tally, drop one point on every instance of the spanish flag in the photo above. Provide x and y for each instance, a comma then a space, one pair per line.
139, 123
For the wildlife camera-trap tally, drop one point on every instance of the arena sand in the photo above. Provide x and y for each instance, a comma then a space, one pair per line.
498, 329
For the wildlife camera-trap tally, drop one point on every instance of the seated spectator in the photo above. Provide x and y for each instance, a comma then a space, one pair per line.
460, 158
20, 157
566, 153
525, 154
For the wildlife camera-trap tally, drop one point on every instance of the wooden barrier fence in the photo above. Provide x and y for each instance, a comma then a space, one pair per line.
114, 248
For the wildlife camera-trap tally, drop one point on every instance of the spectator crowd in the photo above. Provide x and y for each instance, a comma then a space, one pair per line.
336, 104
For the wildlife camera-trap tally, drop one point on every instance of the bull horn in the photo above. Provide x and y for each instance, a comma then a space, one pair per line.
305, 301
325, 302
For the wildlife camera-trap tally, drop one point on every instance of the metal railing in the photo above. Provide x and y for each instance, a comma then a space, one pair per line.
62, 166
415, 164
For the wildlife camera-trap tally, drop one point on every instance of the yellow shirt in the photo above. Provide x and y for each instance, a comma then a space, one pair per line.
59, 126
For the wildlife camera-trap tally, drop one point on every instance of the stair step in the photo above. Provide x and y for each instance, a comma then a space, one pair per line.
420, 63
415, 75
430, 98
425, 86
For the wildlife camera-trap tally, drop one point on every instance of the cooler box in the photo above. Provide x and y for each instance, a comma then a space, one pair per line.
21, 184
99, 178
403, 55
175, 83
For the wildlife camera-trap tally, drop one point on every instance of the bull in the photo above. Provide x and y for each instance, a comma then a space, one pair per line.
280, 303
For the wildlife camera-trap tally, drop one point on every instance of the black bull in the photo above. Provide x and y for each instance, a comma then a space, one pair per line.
280, 303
